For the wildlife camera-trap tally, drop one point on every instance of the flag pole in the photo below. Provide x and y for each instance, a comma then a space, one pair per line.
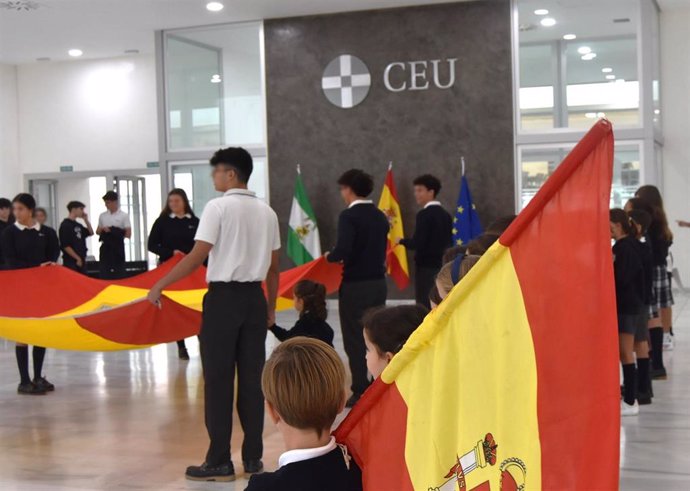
299, 171
462, 160
390, 165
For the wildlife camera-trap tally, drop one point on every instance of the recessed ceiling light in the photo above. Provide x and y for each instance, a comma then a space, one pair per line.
607, 70
541, 12
569, 37
610, 77
548, 22
214, 6
589, 56
216, 79
75, 53
584, 50
590, 115
657, 111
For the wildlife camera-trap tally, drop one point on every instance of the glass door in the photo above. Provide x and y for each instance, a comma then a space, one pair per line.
44, 192
132, 191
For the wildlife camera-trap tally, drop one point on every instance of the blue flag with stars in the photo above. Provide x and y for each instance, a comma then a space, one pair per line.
466, 224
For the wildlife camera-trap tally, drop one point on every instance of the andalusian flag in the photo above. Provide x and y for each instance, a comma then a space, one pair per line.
397, 254
512, 382
304, 244
466, 225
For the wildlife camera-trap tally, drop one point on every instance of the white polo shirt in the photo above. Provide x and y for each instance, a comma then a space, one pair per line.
244, 233
119, 219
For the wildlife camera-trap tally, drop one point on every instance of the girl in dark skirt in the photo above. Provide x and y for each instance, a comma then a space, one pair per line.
173, 232
629, 273
310, 302
27, 244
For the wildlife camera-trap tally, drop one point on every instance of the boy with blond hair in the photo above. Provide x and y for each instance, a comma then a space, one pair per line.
304, 386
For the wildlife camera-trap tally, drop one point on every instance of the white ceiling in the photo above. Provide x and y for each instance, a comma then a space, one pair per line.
106, 28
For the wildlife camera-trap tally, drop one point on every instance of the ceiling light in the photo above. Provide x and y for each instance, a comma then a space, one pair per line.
584, 50
214, 6
601, 115
610, 77
589, 56
590, 115
75, 53
548, 22
569, 37
541, 12
657, 111
606, 70
216, 79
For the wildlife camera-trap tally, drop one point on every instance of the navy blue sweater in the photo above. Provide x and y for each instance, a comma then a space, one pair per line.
432, 236
29, 247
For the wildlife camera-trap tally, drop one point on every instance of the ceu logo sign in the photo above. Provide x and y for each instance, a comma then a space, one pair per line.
346, 80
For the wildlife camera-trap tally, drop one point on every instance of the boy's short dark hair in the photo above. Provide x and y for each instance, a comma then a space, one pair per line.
75, 204
111, 196
430, 182
25, 199
390, 327
5, 203
361, 183
238, 159
304, 381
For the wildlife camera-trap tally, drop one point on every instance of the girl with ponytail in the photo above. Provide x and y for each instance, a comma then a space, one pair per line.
310, 302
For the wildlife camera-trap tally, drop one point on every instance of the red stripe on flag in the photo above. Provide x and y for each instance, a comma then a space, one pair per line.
376, 439
570, 304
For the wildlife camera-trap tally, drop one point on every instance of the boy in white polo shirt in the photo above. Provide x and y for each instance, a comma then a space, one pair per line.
113, 228
239, 234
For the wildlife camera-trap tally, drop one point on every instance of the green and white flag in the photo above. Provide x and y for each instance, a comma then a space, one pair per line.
303, 243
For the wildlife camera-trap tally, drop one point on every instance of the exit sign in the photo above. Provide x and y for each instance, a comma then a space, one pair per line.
152, 165
66, 168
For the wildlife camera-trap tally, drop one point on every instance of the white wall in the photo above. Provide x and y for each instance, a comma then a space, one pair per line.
675, 69
91, 114
10, 175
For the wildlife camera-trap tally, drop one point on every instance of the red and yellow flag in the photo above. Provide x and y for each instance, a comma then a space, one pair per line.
512, 382
396, 255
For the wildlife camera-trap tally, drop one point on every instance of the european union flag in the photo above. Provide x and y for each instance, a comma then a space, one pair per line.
466, 224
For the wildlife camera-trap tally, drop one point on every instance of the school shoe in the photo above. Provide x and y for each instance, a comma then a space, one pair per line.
205, 472
253, 467
644, 398
183, 354
30, 389
42, 383
659, 374
669, 341
629, 409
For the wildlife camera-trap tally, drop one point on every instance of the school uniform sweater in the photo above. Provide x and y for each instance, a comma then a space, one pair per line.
29, 247
3, 226
308, 325
432, 236
362, 242
328, 472
73, 234
170, 233
645, 252
629, 274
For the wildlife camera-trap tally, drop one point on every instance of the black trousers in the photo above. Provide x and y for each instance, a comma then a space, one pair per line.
111, 270
423, 283
355, 299
233, 335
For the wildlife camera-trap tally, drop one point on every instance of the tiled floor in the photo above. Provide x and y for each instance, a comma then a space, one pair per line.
134, 420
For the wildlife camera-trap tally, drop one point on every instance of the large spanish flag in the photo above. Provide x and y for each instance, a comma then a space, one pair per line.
397, 254
512, 382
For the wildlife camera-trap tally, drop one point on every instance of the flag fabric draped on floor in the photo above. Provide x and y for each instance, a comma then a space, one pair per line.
304, 243
57, 308
513, 380
397, 254
466, 224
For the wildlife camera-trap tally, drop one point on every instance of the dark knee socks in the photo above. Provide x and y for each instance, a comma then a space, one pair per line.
629, 383
644, 381
22, 353
39, 355
656, 336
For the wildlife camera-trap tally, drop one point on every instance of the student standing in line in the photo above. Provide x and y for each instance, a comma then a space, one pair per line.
113, 228
361, 247
432, 236
27, 244
73, 237
239, 234
629, 275
173, 232
6, 219
310, 302
41, 215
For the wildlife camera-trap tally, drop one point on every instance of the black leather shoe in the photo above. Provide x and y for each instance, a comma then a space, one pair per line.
204, 472
253, 467
182, 354
42, 383
659, 373
644, 398
30, 389
354, 398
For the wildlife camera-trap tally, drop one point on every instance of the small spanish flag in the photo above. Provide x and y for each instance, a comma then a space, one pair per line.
396, 255
512, 382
